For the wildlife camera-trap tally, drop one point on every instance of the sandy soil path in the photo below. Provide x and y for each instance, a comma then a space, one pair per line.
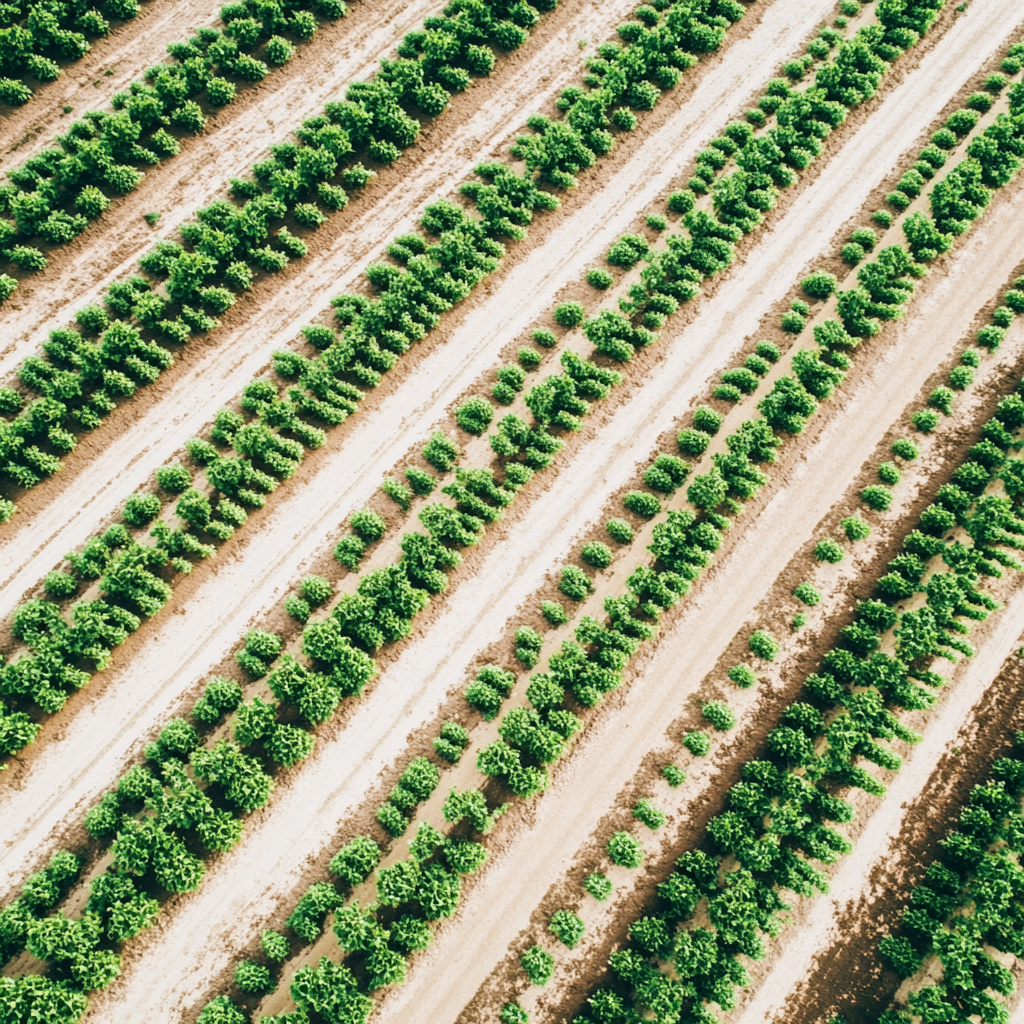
182, 648
344, 51
127, 51
296, 827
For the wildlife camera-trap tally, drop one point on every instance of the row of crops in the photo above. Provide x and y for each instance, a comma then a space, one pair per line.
207, 771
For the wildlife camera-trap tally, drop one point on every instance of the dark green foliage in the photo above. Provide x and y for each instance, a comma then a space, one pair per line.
275, 946
619, 530
876, 497
888, 473
720, 715
855, 528
220, 697
545, 338
368, 526
575, 583
819, 285
538, 964
624, 850
904, 448
697, 743
599, 886
253, 978
806, 593
925, 420
768, 351
693, 442
646, 812
529, 359
354, 861
554, 613
513, 1013
60, 585
141, 509
568, 315
567, 928
173, 479
596, 554
642, 504
707, 420
475, 415
743, 676
942, 399
600, 279
763, 644
674, 775
441, 452
828, 550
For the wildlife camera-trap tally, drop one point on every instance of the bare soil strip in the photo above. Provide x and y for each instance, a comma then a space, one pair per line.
849, 975
345, 51
110, 718
296, 827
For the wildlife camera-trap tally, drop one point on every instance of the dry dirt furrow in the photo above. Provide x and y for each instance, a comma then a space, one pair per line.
126, 52
849, 975
181, 648
345, 51
269, 860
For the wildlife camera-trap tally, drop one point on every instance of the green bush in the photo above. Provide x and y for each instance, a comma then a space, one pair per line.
697, 743
253, 978
942, 399
720, 715
441, 452
174, 479
528, 646
646, 812
674, 775
925, 420
855, 528
883, 218
961, 378
513, 1013
693, 442
876, 497
792, 322
798, 621
355, 860
768, 351
568, 315
681, 202
600, 279
298, 608
619, 530
60, 585
554, 613
707, 419
475, 415
642, 504
316, 590
865, 238
575, 583
275, 946
141, 509
904, 448
596, 554
743, 676
828, 550
808, 594
598, 885
727, 393
888, 473
625, 850
529, 359
852, 253
545, 338
398, 492
538, 964
763, 644
368, 526
819, 285
567, 928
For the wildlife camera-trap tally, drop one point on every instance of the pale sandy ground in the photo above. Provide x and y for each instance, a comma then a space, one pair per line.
184, 646
321, 70
294, 829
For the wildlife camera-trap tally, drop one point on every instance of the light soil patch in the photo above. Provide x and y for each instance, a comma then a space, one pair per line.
110, 718
345, 51
297, 827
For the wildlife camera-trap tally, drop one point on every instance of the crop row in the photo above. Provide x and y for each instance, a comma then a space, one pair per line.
258, 787
81, 380
776, 820
35, 38
239, 481
56, 193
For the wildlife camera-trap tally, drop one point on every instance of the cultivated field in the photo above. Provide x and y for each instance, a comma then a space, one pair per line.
512, 512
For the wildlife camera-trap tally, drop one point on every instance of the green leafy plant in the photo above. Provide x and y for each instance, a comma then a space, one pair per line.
720, 715
538, 965
646, 812
567, 927
828, 550
674, 775
807, 593
855, 528
625, 850
697, 743
598, 885
763, 644
743, 676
